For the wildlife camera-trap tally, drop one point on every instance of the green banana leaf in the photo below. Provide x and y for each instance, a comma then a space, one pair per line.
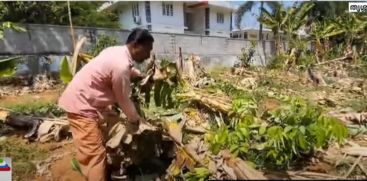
8, 67
157, 93
75, 165
65, 73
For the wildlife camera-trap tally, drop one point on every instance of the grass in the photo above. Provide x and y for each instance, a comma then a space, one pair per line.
23, 156
359, 105
217, 71
37, 108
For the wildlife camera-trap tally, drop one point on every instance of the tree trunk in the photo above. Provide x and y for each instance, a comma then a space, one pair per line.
261, 25
318, 51
261, 38
291, 59
326, 45
278, 43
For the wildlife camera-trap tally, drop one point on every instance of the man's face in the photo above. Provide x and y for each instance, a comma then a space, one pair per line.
142, 51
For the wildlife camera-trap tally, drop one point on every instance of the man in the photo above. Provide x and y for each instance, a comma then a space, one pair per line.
99, 84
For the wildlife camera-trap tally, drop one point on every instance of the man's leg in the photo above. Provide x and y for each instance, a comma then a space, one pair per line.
91, 152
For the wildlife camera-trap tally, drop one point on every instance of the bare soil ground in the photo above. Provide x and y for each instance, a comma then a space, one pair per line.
44, 97
57, 156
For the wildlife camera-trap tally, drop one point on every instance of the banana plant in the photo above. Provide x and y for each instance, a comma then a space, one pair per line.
8, 65
163, 80
295, 19
348, 24
65, 71
320, 32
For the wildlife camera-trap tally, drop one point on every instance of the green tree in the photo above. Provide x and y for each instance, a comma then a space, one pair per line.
295, 19
275, 21
350, 25
320, 32
247, 6
327, 9
288, 21
83, 13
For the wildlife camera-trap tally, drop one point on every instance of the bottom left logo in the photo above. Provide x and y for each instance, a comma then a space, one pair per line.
5, 169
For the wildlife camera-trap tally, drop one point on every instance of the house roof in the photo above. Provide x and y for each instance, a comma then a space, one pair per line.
112, 5
221, 4
250, 29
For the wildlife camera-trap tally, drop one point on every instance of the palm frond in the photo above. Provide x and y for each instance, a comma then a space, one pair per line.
241, 11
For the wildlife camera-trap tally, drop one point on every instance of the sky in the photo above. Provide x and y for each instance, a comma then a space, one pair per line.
249, 20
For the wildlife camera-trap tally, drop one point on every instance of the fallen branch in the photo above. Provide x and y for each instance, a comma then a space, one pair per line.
353, 167
334, 60
195, 130
313, 175
241, 168
207, 100
315, 77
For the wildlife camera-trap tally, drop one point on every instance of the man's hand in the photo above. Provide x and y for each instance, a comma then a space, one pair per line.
132, 126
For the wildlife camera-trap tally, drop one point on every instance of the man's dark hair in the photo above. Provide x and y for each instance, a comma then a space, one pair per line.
140, 36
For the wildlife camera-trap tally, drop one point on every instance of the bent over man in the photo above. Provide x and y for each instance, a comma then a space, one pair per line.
103, 82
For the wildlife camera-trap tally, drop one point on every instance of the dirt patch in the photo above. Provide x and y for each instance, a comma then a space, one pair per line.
45, 97
61, 171
60, 168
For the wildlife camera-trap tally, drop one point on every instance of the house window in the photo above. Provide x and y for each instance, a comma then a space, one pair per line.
220, 18
206, 18
230, 22
267, 36
147, 12
167, 9
135, 8
245, 35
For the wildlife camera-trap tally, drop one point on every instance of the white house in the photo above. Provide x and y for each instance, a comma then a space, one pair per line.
253, 34
197, 17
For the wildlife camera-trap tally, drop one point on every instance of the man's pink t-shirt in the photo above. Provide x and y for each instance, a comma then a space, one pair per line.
100, 83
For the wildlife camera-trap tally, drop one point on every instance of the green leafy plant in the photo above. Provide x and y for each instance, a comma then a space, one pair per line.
8, 65
165, 86
75, 166
56, 12
247, 54
38, 109
288, 133
103, 41
277, 62
10, 25
198, 174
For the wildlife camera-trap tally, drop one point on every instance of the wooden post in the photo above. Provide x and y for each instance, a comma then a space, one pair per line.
71, 25
180, 57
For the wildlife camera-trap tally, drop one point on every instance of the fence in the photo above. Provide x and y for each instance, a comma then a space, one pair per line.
54, 40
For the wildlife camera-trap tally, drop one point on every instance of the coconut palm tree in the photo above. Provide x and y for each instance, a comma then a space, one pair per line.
275, 21
247, 6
